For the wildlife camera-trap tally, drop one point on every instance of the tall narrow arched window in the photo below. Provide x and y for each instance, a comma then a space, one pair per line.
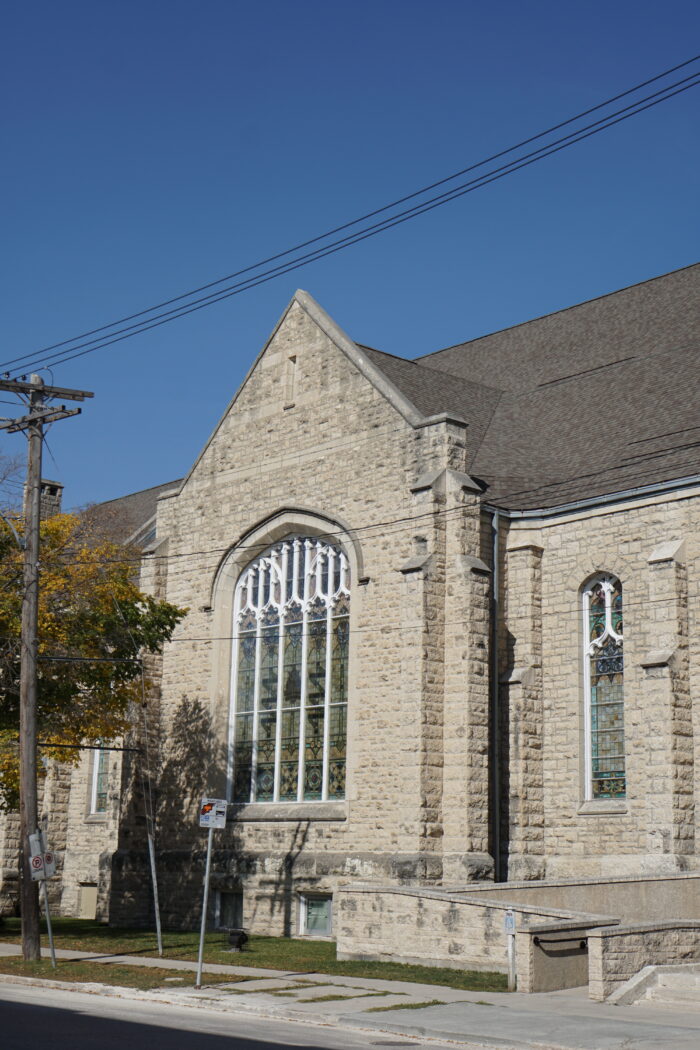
290, 674
603, 672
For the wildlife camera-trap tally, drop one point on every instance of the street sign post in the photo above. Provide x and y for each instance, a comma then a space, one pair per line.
43, 867
212, 815
509, 927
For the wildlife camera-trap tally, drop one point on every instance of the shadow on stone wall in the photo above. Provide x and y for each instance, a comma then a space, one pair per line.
194, 766
279, 896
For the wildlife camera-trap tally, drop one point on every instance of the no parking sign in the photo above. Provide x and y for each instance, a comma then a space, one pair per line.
43, 862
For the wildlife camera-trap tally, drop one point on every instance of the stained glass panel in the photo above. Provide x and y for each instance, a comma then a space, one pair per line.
245, 685
243, 757
316, 658
269, 659
289, 756
336, 751
606, 685
340, 637
265, 773
313, 753
291, 676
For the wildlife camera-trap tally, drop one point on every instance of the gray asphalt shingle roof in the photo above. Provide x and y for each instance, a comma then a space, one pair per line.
590, 400
129, 514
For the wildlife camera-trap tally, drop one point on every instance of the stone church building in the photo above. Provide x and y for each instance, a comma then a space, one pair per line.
404, 661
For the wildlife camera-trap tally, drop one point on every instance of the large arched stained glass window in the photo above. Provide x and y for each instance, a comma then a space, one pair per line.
290, 674
603, 667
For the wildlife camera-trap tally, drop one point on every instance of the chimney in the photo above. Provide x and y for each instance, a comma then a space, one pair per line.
51, 497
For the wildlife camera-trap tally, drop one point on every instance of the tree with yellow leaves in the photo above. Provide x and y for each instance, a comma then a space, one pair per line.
94, 625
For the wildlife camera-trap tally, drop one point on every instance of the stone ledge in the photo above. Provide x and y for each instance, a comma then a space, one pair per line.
602, 807
415, 564
289, 811
671, 550
658, 658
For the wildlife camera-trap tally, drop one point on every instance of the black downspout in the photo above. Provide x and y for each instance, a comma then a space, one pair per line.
494, 707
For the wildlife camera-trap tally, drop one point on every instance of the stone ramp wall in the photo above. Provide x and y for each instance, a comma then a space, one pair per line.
431, 927
617, 954
630, 898
556, 947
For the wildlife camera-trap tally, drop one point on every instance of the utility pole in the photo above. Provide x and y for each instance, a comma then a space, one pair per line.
40, 413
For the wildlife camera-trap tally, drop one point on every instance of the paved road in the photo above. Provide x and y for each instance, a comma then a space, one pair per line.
33, 1018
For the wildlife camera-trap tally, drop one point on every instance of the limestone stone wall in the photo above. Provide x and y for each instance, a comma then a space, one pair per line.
9, 863
652, 546
89, 837
314, 444
328, 452
617, 953
330, 456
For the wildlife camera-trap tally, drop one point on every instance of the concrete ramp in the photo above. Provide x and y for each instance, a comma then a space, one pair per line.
677, 986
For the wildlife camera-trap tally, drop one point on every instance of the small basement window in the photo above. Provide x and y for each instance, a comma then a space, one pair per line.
230, 911
316, 915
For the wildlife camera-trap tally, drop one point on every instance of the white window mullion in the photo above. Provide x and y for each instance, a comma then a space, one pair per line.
256, 712
256, 687
280, 669
587, 721
327, 702
231, 743
306, 559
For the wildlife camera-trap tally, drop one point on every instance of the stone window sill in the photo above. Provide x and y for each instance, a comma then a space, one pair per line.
603, 807
96, 818
290, 811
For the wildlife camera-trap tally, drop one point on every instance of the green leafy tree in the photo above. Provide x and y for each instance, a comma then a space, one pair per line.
94, 624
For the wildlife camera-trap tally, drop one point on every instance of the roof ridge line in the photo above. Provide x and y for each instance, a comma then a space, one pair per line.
436, 371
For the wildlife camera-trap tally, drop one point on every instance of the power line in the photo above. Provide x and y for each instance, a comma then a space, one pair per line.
349, 240
555, 611
376, 211
438, 514
571, 138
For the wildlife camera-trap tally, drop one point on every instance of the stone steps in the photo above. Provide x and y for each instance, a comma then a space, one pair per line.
680, 986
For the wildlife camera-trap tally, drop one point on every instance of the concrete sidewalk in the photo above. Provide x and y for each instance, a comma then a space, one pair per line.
565, 1020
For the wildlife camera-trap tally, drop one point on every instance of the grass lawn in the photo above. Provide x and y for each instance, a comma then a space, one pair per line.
273, 953
143, 977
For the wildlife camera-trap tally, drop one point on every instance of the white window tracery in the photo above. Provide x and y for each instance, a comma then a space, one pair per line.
289, 684
603, 672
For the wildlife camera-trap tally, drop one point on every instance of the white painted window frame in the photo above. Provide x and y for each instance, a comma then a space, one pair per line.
262, 586
98, 755
607, 581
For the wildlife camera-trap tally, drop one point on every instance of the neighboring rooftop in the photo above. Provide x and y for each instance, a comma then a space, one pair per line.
131, 514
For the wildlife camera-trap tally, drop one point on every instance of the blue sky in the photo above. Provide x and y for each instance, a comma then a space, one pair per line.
152, 146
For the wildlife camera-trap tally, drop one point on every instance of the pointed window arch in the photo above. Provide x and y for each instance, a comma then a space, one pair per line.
290, 674
603, 673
